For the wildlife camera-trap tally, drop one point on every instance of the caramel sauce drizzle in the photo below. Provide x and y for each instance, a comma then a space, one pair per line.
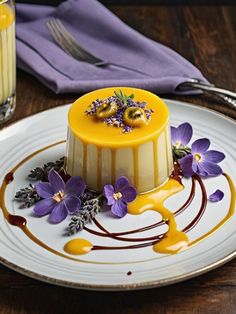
172, 241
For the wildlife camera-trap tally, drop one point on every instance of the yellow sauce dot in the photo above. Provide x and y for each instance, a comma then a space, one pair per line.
6, 16
78, 247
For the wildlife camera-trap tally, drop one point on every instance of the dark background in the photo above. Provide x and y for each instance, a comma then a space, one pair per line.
141, 2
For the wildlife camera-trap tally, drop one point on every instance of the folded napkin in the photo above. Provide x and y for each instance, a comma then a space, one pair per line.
140, 61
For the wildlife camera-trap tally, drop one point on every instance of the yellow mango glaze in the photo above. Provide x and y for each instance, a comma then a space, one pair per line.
92, 130
174, 240
7, 16
101, 153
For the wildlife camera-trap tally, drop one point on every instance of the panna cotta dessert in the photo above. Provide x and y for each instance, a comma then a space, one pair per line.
7, 53
119, 131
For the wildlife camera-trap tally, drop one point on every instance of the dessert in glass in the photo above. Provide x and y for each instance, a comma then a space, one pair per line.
7, 60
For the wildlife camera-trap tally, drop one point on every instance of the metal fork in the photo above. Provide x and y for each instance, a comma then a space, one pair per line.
71, 46
227, 96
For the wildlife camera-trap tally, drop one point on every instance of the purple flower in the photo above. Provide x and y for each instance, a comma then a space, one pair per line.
119, 196
58, 198
216, 196
201, 160
181, 135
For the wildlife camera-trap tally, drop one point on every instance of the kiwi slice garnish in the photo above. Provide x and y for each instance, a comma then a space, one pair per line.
107, 110
135, 117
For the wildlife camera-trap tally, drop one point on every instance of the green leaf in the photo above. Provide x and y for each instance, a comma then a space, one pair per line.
123, 98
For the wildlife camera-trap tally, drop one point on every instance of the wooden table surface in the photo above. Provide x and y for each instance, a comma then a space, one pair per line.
205, 35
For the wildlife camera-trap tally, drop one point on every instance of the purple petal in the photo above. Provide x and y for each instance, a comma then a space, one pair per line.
75, 186
210, 168
56, 181
44, 189
200, 145
129, 194
44, 207
185, 131
119, 208
186, 164
121, 184
108, 191
213, 156
183, 134
59, 213
216, 196
72, 203
200, 169
174, 134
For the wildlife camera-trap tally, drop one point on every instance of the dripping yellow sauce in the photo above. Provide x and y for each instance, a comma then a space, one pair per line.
174, 240
136, 168
154, 144
113, 165
84, 161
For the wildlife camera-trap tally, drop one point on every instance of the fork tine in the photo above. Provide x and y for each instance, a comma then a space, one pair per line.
57, 37
71, 39
73, 46
70, 49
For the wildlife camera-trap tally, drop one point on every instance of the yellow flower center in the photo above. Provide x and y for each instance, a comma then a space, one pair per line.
197, 157
178, 144
58, 197
117, 196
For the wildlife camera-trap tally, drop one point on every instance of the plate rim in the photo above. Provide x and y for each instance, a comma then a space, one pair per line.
128, 286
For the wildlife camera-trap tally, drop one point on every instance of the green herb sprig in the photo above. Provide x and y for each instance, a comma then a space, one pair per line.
123, 98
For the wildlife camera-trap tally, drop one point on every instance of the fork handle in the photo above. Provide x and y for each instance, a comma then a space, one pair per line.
227, 96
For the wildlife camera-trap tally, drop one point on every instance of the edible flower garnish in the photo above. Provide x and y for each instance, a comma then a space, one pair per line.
121, 111
180, 138
201, 160
119, 195
216, 196
58, 198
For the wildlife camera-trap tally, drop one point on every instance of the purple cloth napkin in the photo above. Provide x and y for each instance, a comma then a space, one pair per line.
103, 34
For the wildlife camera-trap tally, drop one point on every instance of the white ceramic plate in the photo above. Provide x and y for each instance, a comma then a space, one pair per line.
114, 270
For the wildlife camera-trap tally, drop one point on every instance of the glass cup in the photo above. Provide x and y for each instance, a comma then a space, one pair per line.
7, 60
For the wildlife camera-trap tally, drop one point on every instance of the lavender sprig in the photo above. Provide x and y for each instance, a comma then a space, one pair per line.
89, 209
41, 173
28, 196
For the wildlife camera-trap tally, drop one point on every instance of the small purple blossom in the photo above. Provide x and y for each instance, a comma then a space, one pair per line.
216, 196
119, 196
58, 198
201, 160
181, 136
